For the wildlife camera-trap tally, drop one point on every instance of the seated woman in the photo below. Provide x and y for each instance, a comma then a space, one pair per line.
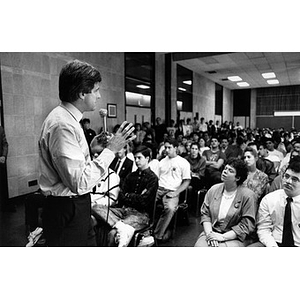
228, 210
257, 181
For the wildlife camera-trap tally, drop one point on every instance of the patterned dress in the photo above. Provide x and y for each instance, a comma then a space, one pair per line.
257, 183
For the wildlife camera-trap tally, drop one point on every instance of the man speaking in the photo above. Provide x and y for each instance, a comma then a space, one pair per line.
67, 173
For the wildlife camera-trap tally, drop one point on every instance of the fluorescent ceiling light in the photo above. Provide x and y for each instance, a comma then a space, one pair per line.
234, 78
268, 75
273, 81
243, 84
286, 113
142, 86
182, 89
189, 82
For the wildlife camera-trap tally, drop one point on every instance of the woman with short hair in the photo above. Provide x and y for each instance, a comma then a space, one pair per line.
228, 210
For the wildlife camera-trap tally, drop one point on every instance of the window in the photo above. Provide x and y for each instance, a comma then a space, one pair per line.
139, 86
219, 100
184, 89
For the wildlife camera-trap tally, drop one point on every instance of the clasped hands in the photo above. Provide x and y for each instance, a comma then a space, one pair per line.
213, 239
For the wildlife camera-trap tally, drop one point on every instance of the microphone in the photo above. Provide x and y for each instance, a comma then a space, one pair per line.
103, 114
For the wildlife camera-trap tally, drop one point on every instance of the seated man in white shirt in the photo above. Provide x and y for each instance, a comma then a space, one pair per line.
274, 155
278, 226
174, 177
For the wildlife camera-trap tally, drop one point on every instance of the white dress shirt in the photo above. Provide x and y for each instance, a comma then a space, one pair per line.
271, 216
65, 165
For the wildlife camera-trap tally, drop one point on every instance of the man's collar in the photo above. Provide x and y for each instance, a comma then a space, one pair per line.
74, 111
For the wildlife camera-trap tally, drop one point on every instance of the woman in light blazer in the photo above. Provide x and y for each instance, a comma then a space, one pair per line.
228, 210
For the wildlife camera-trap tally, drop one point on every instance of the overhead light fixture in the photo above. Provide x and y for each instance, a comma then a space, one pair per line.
243, 83
189, 82
273, 81
268, 75
182, 89
179, 105
234, 78
142, 86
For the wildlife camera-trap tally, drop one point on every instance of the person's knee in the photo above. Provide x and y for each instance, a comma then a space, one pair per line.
201, 242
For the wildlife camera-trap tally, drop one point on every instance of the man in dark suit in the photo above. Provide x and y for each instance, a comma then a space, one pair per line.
121, 164
88, 132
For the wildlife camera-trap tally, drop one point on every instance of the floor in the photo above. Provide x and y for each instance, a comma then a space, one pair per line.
13, 232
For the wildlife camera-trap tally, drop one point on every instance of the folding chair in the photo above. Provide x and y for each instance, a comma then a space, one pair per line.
139, 234
182, 208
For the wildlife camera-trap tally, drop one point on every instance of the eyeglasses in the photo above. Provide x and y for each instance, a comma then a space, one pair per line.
294, 179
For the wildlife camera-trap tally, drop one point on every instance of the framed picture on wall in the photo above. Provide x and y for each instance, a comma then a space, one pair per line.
112, 110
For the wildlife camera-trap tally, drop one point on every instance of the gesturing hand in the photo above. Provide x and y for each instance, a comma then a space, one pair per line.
122, 137
2, 159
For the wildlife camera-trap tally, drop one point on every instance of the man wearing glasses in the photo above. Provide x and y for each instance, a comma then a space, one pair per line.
279, 212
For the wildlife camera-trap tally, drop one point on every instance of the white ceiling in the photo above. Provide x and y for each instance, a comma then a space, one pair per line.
248, 65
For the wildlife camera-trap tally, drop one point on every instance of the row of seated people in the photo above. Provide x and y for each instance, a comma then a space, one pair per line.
161, 181
256, 180
174, 175
231, 214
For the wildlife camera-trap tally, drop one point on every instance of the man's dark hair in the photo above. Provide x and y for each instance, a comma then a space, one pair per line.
251, 150
195, 144
294, 164
77, 77
172, 141
86, 120
144, 150
240, 167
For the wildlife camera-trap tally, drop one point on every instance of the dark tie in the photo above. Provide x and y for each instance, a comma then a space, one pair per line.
117, 165
287, 235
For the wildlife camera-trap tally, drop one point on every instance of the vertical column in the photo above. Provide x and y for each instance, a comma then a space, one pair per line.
168, 87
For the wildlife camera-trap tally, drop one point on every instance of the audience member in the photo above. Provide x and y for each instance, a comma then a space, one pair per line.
277, 182
187, 128
198, 165
202, 125
215, 159
257, 181
174, 177
279, 212
135, 202
121, 164
284, 163
264, 164
88, 132
160, 129
228, 210
273, 155
140, 134
202, 146
107, 190
196, 124
149, 141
